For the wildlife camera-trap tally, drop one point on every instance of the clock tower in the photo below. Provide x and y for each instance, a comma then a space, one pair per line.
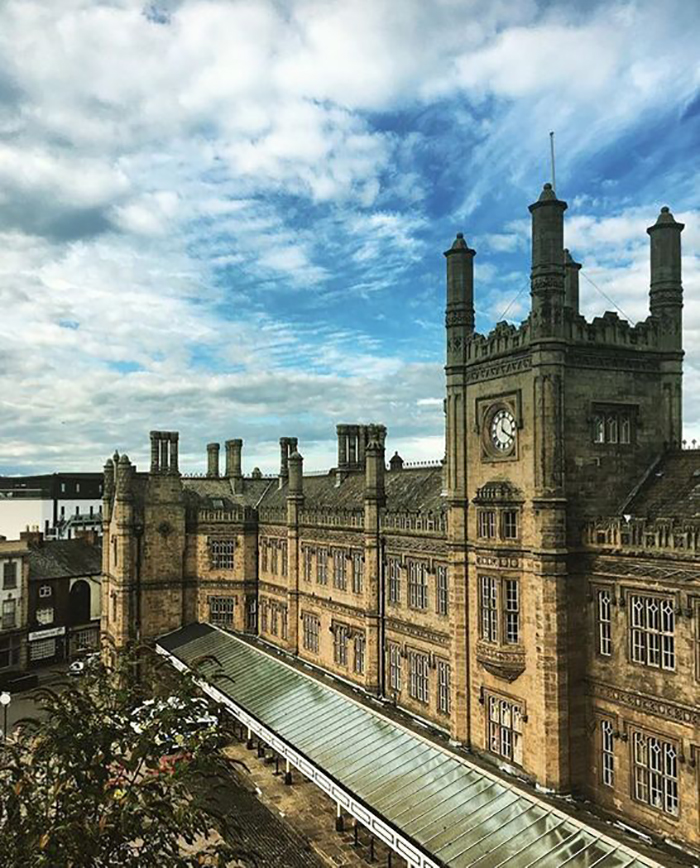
546, 424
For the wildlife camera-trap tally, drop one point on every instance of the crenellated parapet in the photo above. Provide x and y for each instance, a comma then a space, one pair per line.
681, 537
348, 518
419, 522
504, 338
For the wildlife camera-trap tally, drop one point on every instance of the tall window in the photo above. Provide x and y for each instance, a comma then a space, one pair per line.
274, 619
505, 720
418, 666
322, 566
607, 753
340, 645
263, 555
9, 651
9, 614
417, 585
311, 630
360, 647
444, 686
442, 590
394, 580
307, 564
655, 772
510, 523
221, 610
604, 622
358, 564
395, 668
263, 616
274, 544
499, 605
284, 619
511, 611
221, 553
339, 579
652, 621
489, 608
9, 575
486, 523
283, 549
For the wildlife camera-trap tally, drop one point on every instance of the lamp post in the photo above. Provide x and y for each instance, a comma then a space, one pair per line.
5, 700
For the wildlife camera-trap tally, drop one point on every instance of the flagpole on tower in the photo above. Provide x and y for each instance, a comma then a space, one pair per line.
551, 150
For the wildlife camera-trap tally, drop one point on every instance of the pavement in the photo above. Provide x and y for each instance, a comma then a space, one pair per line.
308, 813
23, 705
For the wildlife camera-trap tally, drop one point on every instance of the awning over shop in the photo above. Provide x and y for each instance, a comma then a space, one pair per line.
432, 807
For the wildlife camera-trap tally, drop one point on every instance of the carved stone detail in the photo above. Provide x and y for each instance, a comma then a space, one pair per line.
643, 702
504, 663
479, 373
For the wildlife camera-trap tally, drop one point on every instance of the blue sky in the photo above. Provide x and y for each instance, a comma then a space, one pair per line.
227, 218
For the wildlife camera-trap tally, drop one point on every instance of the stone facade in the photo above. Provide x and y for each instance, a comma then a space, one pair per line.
536, 595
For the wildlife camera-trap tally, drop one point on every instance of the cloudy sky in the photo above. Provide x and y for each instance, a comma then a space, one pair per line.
227, 217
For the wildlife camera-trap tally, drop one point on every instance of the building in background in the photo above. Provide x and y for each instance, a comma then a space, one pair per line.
64, 601
56, 504
536, 598
14, 595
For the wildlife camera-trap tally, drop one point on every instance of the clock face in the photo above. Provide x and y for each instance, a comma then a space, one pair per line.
503, 430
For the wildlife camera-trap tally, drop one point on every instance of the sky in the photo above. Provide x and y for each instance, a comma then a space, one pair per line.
227, 217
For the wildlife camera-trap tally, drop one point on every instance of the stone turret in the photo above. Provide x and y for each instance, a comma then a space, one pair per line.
396, 462
571, 270
547, 276
213, 460
459, 312
666, 292
296, 476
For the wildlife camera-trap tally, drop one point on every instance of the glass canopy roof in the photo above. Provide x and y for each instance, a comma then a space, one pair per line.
432, 807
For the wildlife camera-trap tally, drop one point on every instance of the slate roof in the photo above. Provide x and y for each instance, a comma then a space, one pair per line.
671, 490
427, 803
58, 559
204, 493
415, 489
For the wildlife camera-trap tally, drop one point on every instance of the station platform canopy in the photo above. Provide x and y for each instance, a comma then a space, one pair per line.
431, 807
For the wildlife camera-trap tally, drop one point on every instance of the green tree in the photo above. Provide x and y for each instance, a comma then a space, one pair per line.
100, 779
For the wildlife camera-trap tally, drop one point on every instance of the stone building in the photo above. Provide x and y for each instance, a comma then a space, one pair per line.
536, 595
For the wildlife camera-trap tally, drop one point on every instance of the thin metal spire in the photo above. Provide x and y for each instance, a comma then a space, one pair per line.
551, 150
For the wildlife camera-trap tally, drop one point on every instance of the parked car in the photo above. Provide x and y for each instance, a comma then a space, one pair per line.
189, 716
78, 667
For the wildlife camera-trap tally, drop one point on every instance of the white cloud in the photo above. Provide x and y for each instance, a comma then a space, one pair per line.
171, 184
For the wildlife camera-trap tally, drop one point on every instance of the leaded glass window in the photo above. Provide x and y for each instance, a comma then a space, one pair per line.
655, 772
652, 635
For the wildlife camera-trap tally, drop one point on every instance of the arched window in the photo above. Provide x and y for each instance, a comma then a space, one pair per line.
611, 425
598, 429
625, 429
79, 602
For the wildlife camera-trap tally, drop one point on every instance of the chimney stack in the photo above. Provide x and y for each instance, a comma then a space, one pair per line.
374, 473
287, 446
296, 476
164, 452
234, 469
460, 285
213, 460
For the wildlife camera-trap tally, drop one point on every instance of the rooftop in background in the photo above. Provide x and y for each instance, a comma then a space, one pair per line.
58, 486
671, 489
59, 559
